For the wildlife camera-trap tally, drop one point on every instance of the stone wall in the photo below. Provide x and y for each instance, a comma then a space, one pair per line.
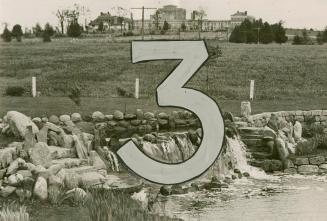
318, 117
309, 165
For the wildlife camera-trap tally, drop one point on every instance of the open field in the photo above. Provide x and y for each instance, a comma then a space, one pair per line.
99, 66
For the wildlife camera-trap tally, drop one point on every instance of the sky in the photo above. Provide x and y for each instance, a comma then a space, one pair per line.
294, 13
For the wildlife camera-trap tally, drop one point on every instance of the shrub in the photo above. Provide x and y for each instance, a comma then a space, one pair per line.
74, 29
17, 32
46, 37
6, 35
15, 91
104, 205
122, 92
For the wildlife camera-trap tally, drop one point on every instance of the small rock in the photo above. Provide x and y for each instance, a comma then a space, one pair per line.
234, 177
64, 118
177, 189
91, 179
165, 190
56, 181
130, 116
290, 171
139, 114
41, 188
54, 119
237, 171
97, 116
109, 117
15, 179
150, 138
148, 115
308, 169
246, 174
44, 119
317, 160
301, 161
37, 120
25, 173
15, 165
163, 115
118, 115
76, 117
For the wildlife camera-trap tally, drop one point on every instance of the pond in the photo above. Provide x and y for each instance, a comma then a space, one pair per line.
288, 198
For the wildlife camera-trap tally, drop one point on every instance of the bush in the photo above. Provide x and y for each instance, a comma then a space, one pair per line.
129, 33
6, 35
46, 37
74, 30
15, 91
122, 92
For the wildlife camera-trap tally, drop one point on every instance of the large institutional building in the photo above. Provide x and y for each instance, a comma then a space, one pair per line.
175, 18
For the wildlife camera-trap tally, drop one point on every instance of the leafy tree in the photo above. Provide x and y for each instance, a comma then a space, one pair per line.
165, 26
17, 32
62, 16
319, 38
48, 32
279, 33
305, 37
37, 30
74, 29
297, 40
183, 26
6, 35
324, 36
266, 35
101, 26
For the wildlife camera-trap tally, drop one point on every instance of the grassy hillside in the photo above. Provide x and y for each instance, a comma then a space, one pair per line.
99, 66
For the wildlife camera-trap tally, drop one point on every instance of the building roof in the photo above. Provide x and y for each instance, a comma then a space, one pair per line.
107, 17
238, 13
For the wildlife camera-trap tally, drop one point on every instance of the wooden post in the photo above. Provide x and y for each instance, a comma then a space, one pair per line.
34, 86
137, 88
251, 90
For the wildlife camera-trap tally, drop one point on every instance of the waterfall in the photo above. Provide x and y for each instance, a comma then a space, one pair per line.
233, 156
112, 158
170, 149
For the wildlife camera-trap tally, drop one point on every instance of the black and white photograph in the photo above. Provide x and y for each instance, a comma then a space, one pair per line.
163, 110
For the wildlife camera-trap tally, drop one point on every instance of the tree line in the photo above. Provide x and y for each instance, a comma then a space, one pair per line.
304, 38
257, 31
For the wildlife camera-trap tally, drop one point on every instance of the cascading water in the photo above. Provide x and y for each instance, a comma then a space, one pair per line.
113, 160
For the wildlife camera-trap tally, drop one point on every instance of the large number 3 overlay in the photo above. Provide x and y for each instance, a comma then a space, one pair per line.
172, 93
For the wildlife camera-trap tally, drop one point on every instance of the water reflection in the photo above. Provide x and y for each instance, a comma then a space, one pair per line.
289, 198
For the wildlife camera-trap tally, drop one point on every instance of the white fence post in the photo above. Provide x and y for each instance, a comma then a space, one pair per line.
251, 90
137, 88
34, 86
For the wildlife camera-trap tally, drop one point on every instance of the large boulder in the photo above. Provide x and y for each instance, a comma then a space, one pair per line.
40, 155
18, 123
41, 188
317, 160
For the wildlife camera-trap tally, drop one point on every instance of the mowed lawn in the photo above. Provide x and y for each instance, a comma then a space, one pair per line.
286, 76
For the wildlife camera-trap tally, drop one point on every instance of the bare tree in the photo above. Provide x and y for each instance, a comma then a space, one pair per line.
199, 15
62, 15
121, 13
